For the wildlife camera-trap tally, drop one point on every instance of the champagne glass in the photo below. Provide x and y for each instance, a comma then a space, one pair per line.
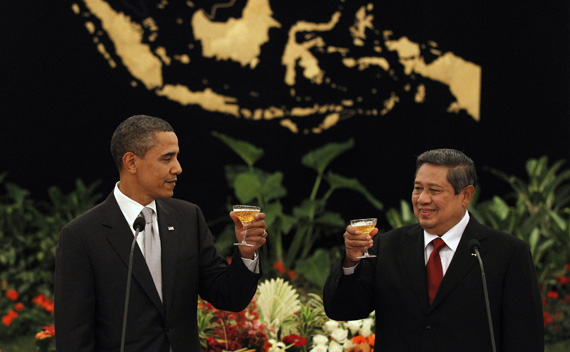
364, 226
245, 214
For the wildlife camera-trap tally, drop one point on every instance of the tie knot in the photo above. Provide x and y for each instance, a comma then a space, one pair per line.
437, 244
147, 214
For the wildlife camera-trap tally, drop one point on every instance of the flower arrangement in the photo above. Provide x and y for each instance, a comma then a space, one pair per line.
353, 336
45, 339
282, 322
556, 306
21, 315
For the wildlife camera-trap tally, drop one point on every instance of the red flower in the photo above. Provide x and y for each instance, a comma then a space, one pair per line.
563, 280
291, 274
19, 306
7, 319
43, 302
296, 340
552, 294
568, 267
280, 267
359, 339
47, 331
547, 318
12, 294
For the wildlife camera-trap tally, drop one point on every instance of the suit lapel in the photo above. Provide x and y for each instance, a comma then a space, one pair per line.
414, 264
462, 261
168, 228
121, 238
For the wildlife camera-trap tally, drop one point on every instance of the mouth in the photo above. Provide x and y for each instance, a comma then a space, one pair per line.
427, 211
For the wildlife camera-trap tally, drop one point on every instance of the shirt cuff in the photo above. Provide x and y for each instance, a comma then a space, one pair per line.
252, 264
349, 270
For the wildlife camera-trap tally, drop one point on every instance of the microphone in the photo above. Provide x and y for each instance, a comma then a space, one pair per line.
138, 226
474, 247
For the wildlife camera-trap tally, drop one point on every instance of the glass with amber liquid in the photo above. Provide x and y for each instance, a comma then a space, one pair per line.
245, 214
365, 226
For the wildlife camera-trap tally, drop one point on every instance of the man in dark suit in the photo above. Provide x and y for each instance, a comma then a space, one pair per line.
416, 311
93, 254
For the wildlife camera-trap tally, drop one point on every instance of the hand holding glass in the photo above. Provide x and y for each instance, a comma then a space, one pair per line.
364, 226
245, 214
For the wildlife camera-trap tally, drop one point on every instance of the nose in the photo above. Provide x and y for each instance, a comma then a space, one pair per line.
176, 169
423, 198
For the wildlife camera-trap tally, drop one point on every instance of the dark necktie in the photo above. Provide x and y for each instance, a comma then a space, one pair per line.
152, 251
434, 269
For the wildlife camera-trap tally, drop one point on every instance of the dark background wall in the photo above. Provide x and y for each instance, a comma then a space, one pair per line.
62, 101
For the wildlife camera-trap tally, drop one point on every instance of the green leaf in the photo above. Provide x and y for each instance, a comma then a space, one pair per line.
312, 267
247, 187
249, 153
320, 158
271, 187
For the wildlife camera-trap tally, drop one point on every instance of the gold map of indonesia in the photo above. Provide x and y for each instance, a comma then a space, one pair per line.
240, 40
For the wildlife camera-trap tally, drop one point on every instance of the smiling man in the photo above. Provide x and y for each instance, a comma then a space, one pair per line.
174, 262
426, 286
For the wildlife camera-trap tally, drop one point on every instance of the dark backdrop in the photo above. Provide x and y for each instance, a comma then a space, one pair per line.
61, 103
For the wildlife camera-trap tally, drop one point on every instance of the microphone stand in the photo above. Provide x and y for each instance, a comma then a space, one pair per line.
129, 275
476, 254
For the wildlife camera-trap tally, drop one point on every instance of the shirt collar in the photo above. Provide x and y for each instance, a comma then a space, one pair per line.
130, 208
452, 236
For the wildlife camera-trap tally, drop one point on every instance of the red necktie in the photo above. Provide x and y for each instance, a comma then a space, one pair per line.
434, 269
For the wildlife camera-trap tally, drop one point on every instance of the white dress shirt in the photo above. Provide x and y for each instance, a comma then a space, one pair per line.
451, 239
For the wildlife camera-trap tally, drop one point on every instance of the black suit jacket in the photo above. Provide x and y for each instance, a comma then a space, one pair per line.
91, 273
394, 285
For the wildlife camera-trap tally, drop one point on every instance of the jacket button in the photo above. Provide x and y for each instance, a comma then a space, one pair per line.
428, 328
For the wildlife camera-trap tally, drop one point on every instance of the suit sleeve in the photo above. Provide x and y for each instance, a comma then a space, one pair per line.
227, 287
522, 317
74, 295
349, 297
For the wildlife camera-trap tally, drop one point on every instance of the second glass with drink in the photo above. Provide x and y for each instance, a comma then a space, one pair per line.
365, 226
245, 214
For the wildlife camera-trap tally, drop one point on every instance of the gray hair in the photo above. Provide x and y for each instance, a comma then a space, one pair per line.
461, 169
137, 134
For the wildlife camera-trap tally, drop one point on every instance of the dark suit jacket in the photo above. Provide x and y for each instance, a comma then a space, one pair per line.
91, 273
395, 286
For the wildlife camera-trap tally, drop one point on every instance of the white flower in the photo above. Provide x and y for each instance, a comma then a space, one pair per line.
319, 348
276, 346
366, 329
348, 344
340, 335
335, 347
320, 340
330, 326
354, 326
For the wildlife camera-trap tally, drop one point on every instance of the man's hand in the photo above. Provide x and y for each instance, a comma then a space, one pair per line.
355, 244
256, 234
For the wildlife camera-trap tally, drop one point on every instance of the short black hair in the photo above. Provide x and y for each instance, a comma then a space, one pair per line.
137, 134
461, 169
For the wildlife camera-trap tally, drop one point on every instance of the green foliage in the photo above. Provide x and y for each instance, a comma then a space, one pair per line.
405, 216
537, 211
311, 317
28, 237
307, 222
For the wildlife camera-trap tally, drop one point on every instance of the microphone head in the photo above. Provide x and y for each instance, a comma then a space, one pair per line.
139, 224
473, 243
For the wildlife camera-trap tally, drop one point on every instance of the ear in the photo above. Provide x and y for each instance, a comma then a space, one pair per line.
467, 194
130, 162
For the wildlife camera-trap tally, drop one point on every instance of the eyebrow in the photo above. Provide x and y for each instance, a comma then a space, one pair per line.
429, 184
